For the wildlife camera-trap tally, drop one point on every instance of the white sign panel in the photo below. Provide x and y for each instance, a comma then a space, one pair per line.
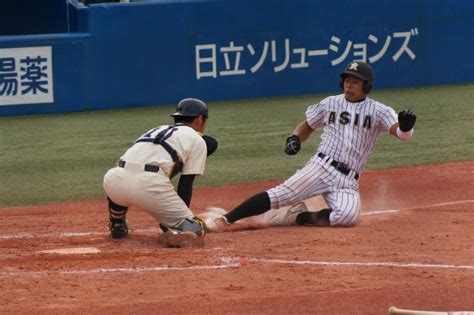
26, 76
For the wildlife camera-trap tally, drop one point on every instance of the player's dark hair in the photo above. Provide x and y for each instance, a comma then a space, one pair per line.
185, 119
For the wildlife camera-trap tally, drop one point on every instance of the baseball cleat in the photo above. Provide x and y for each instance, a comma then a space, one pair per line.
218, 224
178, 239
118, 229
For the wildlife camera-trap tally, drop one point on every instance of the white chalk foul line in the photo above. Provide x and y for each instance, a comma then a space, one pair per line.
233, 262
434, 205
72, 234
358, 264
378, 212
226, 264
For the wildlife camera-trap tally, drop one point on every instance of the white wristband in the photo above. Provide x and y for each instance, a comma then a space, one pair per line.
404, 135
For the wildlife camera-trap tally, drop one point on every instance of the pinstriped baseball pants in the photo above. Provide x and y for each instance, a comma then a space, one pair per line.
318, 177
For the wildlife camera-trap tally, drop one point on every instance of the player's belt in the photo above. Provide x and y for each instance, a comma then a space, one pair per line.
341, 167
146, 167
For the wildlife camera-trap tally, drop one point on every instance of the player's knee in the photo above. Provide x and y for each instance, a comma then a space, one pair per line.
343, 220
345, 224
116, 207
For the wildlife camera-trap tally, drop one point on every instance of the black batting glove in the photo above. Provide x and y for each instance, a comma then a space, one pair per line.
406, 120
292, 145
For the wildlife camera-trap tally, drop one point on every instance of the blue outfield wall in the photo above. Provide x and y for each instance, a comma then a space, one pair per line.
154, 53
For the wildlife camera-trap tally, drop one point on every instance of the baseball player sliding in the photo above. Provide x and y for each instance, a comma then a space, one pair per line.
351, 124
142, 176
285, 216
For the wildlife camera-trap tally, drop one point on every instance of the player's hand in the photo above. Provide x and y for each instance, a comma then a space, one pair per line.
292, 145
406, 120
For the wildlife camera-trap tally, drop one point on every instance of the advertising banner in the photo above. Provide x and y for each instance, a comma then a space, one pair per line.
26, 76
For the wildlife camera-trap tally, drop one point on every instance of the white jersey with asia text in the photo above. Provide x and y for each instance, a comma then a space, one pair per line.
350, 130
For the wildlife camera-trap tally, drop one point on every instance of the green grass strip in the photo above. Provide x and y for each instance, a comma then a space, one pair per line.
56, 158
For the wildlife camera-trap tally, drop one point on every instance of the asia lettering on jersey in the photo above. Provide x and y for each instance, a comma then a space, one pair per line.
350, 130
345, 118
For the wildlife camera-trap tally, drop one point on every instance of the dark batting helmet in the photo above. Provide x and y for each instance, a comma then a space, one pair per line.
361, 70
191, 107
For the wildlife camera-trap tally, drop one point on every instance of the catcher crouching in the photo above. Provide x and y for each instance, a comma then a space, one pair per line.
142, 177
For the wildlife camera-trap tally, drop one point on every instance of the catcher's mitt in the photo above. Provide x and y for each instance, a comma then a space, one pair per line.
211, 144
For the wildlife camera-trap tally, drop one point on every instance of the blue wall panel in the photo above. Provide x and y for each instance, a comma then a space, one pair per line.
71, 61
154, 53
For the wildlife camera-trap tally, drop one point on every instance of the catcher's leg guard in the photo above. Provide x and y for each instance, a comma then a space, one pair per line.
118, 226
186, 233
195, 225
319, 218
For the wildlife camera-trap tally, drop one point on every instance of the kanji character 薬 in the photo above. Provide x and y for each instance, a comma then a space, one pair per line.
33, 73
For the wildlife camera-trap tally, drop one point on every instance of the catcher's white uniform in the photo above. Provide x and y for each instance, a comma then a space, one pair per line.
130, 184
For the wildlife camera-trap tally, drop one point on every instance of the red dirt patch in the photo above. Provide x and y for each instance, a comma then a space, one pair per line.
420, 257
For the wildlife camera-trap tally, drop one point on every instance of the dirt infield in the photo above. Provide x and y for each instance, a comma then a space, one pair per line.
414, 248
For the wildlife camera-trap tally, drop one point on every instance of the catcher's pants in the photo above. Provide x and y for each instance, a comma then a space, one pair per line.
318, 177
152, 192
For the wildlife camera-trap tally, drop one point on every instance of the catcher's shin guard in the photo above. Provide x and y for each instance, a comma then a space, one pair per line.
118, 226
186, 233
319, 218
195, 225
